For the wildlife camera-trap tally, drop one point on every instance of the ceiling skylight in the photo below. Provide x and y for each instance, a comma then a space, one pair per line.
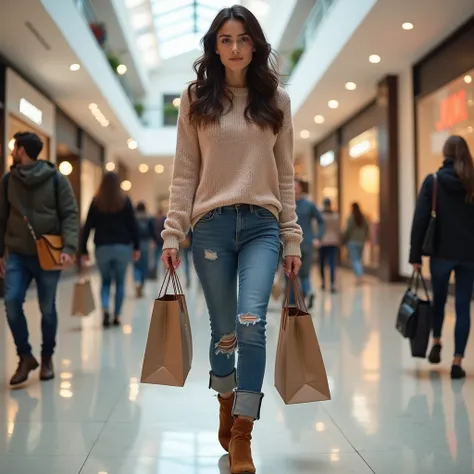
180, 24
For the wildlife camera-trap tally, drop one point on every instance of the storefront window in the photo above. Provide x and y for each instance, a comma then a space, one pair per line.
448, 111
360, 183
326, 179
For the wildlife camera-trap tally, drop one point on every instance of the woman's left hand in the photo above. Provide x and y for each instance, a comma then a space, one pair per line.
292, 265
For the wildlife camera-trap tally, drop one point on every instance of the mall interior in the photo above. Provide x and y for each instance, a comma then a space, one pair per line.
376, 88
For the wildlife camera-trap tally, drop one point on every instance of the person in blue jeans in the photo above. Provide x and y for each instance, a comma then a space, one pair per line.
453, 188
233, 183
146, 231
329, 246
355, 236
116, 239
308, 215
36, 189
159, 224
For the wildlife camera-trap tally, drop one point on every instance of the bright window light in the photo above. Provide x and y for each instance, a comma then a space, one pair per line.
147, 40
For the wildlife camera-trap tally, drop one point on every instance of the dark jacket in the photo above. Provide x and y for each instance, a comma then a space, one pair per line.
32, 191
146, 227
307, 213
454, 233
111, 228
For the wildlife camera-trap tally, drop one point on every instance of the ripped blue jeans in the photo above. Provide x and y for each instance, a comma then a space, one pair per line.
235, 250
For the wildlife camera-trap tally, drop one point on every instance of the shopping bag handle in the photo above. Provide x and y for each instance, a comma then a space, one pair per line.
299, 299
171, 277
417, 275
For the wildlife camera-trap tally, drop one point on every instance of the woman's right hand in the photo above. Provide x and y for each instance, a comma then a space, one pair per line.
170, 258
416, 267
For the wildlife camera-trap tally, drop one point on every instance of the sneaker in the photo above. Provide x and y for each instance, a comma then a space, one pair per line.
116, 321
25, 366
457, 372
106, 319
435, 354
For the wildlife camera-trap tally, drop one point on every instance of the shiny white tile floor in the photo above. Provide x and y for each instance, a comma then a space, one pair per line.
389, 413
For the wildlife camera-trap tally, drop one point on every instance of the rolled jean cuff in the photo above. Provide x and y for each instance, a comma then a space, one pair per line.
247, 404
223, 384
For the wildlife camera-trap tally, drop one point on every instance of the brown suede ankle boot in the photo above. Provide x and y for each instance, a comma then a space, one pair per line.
226, 420
240, 454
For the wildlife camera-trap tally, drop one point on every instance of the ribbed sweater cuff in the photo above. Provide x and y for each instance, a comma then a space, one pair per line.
291, 249
171, 242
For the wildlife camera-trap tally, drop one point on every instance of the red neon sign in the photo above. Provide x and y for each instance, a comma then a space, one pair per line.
452, 111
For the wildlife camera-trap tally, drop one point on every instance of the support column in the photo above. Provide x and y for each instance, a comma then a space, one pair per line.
387, 103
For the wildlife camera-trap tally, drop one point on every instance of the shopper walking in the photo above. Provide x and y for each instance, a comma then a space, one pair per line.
146, 234
453, 250
329, 245
159, 227
116, 239
35, 189
308, 215
355, 236
233, 181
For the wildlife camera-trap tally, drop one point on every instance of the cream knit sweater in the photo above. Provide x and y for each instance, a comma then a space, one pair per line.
233, 162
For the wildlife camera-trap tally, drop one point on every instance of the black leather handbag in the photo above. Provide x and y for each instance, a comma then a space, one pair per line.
428, 245
408, 312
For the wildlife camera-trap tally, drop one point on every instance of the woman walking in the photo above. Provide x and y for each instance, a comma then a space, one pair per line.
329, 244
355, 236
146, 233
233, 182
453, 187
112, 216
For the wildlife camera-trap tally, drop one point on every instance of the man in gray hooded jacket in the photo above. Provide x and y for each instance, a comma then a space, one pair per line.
35, 189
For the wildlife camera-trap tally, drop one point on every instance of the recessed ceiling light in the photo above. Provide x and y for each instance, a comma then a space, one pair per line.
351, 86
159, 169
333, 104
407, 26
121, 69
177, 102
143, 168
74, 67
304, 134
110, 166
318, 119
132, 144
126, 185
467, 79
374, 58
65, 168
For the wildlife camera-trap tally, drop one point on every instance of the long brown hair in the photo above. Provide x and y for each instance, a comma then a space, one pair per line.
262, 79
109, 197
357, 214
457, 149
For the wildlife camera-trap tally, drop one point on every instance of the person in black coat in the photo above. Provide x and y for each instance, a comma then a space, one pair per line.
453, 243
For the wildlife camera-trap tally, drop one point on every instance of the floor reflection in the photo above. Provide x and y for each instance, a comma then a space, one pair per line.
388, 413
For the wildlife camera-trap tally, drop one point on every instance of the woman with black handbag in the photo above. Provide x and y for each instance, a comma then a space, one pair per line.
443, 229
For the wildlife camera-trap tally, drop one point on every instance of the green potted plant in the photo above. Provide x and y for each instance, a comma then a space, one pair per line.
139, 109
114, 61
295, 56
170, 114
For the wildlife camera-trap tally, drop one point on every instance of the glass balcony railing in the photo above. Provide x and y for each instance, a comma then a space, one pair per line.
290, 59
99, 30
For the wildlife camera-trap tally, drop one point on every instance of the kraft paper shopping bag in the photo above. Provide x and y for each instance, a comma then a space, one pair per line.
168, 352
300, 375
83, 298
